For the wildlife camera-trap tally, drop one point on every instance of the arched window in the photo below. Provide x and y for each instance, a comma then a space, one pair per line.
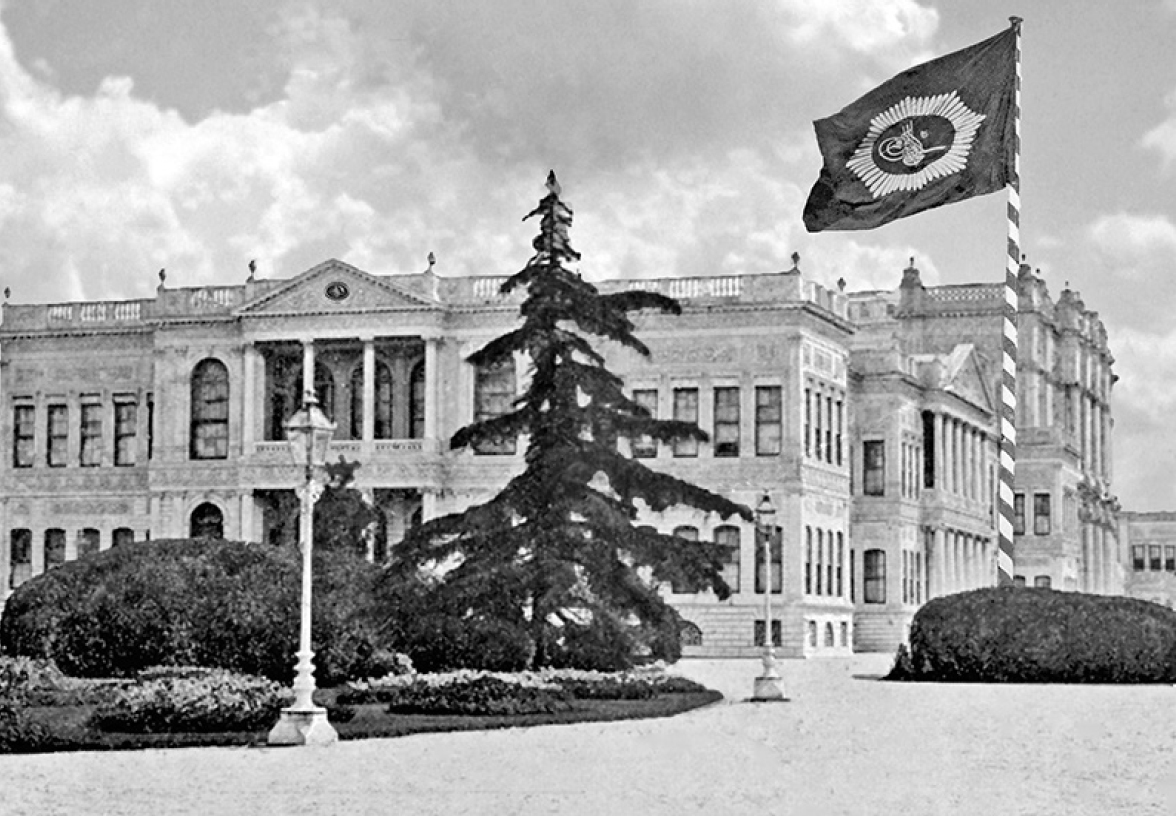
416, 390
121, 536
494, 393
690, 534
324, 390
727, 537
382, 402
206, 521
812, 634
88, 541
54, 547
844, 633
20, 554
874, 576
829, 642
209, 426
689, 634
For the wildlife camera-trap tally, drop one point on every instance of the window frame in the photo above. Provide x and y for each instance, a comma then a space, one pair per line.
725, 420
126, 433
208, 410
685, 409
24, 435
90, 434
769, 420
645, 446
874, 576
1042, 520
495, 390
874, 473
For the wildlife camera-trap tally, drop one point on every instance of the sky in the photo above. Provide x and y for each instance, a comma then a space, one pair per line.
194, 136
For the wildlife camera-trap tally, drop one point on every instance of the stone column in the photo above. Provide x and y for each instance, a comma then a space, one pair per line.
369, 389
307, 369
940, 453
955, 457
432, 382
249, 358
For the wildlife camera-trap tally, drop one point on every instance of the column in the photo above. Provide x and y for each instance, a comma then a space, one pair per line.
940, 563
249, 359
245, 531
307, 368
955, 457
5, 557
369, 389
810, 418
940, 453
949, 584
432, 382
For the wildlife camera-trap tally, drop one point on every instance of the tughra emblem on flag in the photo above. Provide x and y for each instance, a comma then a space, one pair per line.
915, 141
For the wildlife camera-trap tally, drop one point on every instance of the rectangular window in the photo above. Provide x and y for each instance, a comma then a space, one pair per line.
829, 430
726, 421
126, 418
23, 434
928, 450
54, 547
1041, 581
829, 563
87, 541
777, 633
645, 447
685, 587
874, 467
150, 426
1138, 563
768, 420
728, 539
1041, 522
1170, 559
1019, 514
686, 410
852, 575
494, 394
777, 562
91, 434
808, 561
840, 564
874, 576
1154, 562
840, 425
818, 427
820, 561
20, 554
808, 422
58, 436
919, 578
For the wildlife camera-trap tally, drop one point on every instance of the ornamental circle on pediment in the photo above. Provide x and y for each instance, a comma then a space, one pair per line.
337, 291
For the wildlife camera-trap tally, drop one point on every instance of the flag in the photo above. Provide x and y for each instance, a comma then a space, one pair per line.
937, 133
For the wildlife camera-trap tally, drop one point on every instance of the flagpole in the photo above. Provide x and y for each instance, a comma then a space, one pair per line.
1008, 417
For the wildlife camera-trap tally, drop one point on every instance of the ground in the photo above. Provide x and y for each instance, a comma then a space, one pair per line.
844, 744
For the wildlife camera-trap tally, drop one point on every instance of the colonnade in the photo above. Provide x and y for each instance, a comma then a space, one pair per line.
958, 561
1099, 557
960, 457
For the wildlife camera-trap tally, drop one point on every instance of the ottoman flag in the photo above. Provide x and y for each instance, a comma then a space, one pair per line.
940, 132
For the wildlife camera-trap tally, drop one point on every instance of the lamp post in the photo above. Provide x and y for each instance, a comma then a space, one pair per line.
769, 686
309, 433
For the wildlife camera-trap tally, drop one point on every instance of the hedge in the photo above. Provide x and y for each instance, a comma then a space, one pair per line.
197, 602
1011, 635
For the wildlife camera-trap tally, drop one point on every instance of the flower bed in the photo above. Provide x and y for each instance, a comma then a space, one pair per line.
214, 700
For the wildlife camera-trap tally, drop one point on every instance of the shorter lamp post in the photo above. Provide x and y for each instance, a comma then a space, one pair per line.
309, 433
769, 686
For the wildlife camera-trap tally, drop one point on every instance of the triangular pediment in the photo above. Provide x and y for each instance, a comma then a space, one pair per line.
964, 375
335, 287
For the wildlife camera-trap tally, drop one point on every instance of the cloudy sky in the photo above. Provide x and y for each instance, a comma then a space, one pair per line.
139, 134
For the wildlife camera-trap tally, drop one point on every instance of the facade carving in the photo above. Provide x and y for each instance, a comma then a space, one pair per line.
867, 417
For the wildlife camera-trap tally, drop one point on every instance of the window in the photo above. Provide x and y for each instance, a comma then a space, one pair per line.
727, 537
777, 633
1153, 558
1170, 559
768, 420
840, 425
874, 467
91, 433
645, 447
829, 564
852, 574
808, 560
208, 433
686, 410
683, 586
381, 400
776, 568
820, 561
1041, 581
874, 576
812, 634
206, 521
416, 391
126, 418
58, 435
844, 633
726, 421
1138, 562
689, 634
1019, 581
829, 430
20, 555
88, 539
23, 417
840, 563
54, 547
150, 426
1041, 523
928, 450
829, 642
121, 536
808, 422
494, 394
1018, 514
919, 578
818, 427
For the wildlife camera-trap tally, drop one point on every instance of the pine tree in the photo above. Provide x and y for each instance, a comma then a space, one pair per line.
556, 551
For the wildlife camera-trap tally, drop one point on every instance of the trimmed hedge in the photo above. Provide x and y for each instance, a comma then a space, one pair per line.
197, 602
209, 702
1007, 635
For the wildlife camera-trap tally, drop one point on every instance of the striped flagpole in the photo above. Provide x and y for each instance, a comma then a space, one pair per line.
1008, 417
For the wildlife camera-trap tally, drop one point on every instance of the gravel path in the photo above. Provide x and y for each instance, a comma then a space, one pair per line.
845, 744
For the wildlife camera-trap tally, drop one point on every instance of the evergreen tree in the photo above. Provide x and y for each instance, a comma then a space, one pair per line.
556, 551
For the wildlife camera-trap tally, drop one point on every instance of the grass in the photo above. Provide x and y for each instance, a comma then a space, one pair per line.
68, 723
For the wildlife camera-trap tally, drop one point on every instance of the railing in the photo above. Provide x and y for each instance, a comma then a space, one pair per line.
271, 450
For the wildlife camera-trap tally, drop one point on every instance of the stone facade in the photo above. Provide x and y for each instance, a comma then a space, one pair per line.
1149, 545
868, 419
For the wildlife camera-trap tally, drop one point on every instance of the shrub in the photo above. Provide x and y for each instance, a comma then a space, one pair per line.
1042, 636
196, 602
215, 701
476, 695
18, 732
440, 643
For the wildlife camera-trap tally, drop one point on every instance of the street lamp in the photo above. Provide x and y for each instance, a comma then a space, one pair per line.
769, 686
309, 433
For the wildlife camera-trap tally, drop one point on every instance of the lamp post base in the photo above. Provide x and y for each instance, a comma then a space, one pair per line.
303, 726
769, 690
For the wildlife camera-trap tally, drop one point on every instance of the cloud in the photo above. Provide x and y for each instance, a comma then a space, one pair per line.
1162, 137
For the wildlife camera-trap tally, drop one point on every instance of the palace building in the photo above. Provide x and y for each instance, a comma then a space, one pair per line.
869, 418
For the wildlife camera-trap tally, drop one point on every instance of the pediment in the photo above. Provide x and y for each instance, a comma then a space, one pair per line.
334, 286
964, 376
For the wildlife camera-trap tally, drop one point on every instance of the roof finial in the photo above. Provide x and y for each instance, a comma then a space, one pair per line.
252, 268
796, 261
841, 284
432, 259
7, 293
552, 184
162, 276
